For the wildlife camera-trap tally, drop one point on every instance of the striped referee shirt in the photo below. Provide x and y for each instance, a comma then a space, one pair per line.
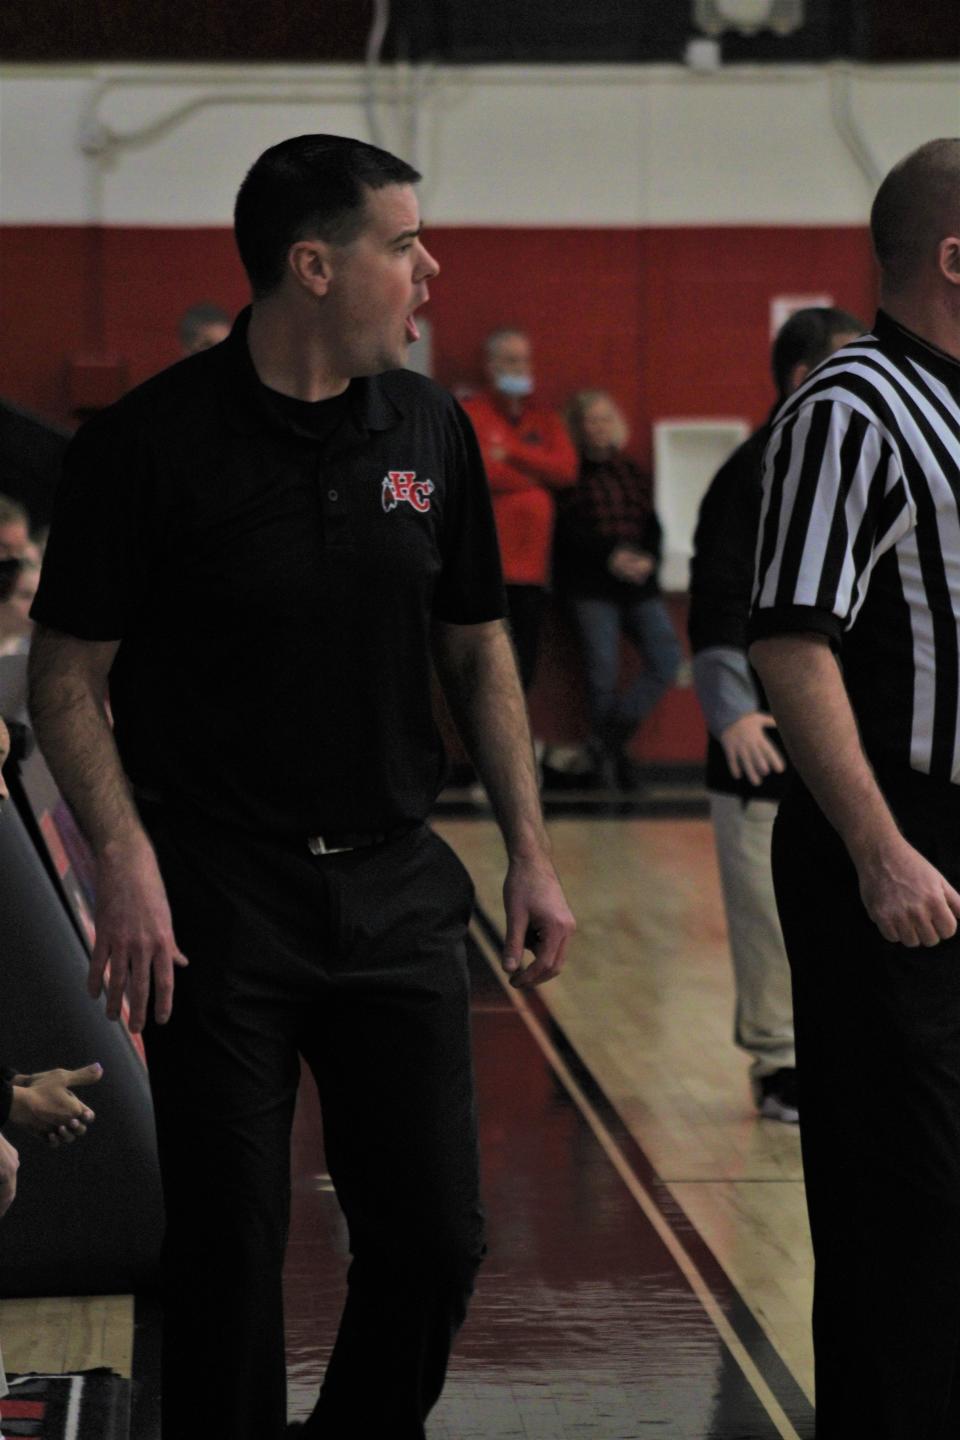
860, 539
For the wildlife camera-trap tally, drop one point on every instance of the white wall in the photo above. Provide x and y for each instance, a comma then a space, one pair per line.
625, 145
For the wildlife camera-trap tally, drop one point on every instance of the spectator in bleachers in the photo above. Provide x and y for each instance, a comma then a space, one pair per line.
14, 528
43, 1104
607, 558
18, 585
202, 326
528, 455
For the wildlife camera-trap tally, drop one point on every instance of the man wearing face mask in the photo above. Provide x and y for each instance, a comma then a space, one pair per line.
527, 454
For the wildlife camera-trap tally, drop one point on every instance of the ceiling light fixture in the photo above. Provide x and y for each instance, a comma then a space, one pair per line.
713, 17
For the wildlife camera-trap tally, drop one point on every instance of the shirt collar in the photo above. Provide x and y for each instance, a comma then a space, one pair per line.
247, 405
896, 336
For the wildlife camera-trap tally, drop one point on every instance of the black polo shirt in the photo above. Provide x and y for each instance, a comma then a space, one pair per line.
273, 586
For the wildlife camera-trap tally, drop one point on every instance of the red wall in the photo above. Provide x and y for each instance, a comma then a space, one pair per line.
675, 322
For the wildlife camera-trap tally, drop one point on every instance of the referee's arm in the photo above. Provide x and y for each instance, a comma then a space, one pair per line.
906, 897
826, 467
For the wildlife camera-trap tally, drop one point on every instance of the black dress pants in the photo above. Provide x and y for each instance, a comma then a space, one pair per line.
356, 962
878, 1061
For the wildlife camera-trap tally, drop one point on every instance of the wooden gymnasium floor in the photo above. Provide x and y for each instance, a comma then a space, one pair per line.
650, 1270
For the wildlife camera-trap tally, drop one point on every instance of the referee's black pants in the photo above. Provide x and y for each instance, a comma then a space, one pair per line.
878, 1060
356, 962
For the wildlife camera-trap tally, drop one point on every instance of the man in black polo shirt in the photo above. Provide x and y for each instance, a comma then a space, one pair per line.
262, 548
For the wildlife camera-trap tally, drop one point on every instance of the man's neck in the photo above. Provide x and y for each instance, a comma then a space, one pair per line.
289, 356
927, 317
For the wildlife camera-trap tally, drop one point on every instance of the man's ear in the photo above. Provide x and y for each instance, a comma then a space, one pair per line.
309, 262
948, 256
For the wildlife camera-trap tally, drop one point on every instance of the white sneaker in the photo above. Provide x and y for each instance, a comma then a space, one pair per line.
776, 1096
478, 796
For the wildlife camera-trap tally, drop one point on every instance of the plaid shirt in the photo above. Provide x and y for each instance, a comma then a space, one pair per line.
610, 505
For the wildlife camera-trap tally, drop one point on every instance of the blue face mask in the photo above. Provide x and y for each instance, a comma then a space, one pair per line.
514, 384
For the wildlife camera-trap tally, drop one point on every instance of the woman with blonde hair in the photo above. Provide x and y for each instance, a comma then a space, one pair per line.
607, 556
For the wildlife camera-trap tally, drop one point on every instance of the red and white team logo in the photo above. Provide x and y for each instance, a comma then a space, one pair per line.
403, 485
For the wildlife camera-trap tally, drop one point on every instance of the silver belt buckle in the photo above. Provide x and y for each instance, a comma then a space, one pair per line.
318, 846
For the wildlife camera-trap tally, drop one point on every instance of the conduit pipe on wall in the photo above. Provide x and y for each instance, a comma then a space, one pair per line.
402, 87
378, 33
98, 138
848, 127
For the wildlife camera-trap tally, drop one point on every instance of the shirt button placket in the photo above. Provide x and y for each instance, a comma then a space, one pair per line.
336, 513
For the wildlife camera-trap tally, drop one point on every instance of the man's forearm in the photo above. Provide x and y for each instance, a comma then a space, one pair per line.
808, 698
483, 690
553, 466
69, 719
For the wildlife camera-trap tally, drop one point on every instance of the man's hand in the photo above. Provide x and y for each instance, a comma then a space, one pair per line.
905, 896
45, 1103
538, 919
9, 1165
749, 750
626, 563
134, 934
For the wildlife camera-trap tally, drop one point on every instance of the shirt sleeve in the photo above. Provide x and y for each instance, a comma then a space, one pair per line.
95, 566
469, 590
834, 501
724, 686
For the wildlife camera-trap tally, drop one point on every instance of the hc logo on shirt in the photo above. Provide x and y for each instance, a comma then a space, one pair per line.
403, 485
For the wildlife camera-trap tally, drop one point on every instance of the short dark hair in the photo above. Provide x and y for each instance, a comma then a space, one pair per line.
311, 186
806, 338
917, 205
196, 318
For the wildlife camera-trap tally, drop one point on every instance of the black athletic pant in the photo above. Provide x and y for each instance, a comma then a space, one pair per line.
878, 1059
356, 962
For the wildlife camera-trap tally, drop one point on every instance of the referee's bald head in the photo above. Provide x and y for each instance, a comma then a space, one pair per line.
916, 208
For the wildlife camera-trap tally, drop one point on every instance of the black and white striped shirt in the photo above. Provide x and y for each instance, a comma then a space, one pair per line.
860, 538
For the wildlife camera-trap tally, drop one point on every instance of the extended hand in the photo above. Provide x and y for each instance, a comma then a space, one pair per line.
134, 934
9, 1165
45, 1103
906, 897
749, 749
538, 919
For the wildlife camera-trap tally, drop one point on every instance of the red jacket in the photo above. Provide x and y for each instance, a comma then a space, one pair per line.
539, 457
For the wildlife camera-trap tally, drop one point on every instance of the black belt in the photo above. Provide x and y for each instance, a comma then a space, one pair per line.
338, 841
333, 842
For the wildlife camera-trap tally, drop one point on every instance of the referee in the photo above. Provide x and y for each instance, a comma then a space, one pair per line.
855, 628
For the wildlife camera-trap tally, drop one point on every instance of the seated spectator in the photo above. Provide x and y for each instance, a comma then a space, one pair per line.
43, 1104
606, 560
201, 327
